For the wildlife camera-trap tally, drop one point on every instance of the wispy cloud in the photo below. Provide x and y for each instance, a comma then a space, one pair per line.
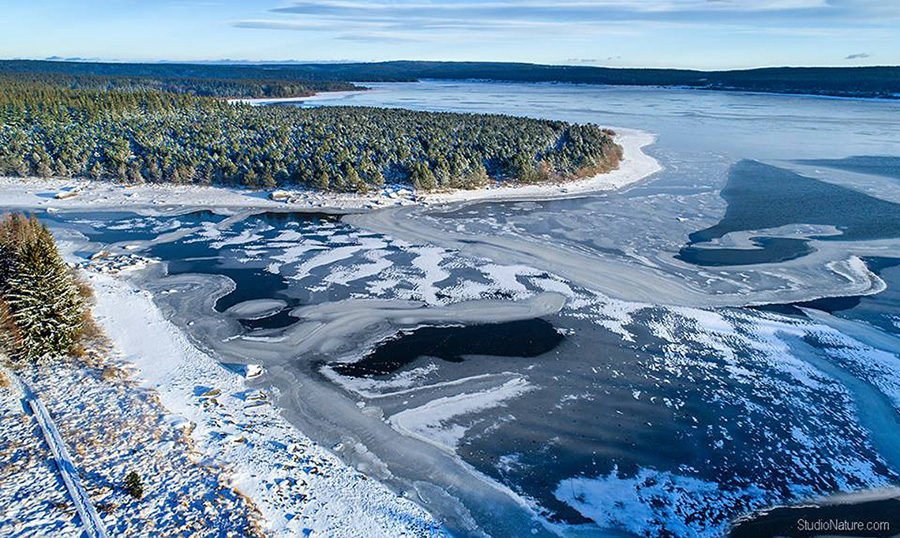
387, 37
542, 10
560, 24
858, 56
268, 24
403, 19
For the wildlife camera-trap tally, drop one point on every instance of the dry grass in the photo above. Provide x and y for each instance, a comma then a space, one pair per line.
90, 330
111, 373
84, 289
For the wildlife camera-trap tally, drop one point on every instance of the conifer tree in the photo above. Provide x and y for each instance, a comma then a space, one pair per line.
129, 130
40, 298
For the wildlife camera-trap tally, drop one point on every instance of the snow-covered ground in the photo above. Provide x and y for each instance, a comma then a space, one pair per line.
300, 488
110, 428
307, 99
50, 194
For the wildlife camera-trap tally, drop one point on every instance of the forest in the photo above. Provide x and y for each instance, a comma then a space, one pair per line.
875, 81
207, 87
141, 135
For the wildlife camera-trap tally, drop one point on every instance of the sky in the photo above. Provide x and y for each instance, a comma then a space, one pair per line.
700, 34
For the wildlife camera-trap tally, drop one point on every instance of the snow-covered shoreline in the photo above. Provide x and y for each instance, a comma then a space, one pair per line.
299, 487
319, 96
635, 166
80, 194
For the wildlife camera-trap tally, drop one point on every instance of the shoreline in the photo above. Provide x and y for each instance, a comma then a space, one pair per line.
299, 486
318, 96
636, 165
84, 194
321, 96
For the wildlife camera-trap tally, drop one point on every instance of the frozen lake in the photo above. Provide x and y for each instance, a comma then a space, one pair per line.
719, 338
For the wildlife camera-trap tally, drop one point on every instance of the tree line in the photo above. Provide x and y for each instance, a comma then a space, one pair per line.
868, 81
207, 87
147, 135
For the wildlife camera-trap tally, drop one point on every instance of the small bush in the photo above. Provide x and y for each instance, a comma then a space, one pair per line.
106, 508
133, 485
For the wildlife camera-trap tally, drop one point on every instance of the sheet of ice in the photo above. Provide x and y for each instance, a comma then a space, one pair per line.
654, 503
361, 271
435, 421
258, 308
328, 257
428, 260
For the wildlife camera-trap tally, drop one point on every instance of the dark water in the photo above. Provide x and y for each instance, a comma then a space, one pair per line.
278, 320
762, 196
109, 227
771, 250
879, 166
251, 281
527, 338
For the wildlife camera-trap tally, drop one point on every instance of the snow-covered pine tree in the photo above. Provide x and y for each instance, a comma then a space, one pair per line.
41, 296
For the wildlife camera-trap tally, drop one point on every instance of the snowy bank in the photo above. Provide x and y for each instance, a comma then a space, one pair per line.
300, 488
83, 194
303, 99
635, 166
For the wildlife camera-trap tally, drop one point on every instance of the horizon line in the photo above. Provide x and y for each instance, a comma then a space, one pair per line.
289, 62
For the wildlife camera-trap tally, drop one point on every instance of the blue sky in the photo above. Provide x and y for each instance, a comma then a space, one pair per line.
705, 34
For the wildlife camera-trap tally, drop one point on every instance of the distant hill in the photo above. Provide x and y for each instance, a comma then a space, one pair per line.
835, 81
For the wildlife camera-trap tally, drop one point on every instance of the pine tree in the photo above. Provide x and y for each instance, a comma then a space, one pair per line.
41, 297
97, 170
422, 178
134, 485
323, 181
134, 173
477, 177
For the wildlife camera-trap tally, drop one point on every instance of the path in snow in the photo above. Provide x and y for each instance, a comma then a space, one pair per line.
90, 520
